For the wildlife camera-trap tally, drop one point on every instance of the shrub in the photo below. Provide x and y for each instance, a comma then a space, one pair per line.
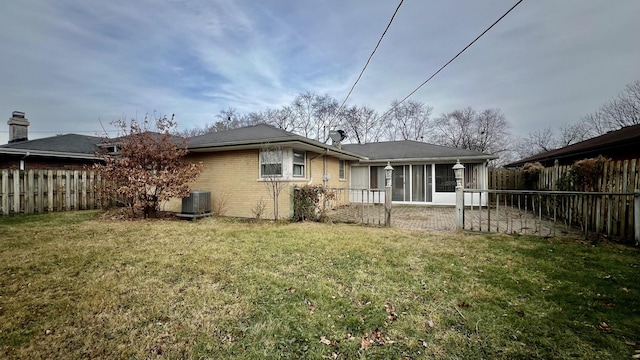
583, 175
531, 173
587, 172
306, 202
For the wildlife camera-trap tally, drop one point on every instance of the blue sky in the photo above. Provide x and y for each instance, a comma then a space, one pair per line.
70, 64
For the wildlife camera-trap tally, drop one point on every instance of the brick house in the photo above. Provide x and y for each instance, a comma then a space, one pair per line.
240, 164
64, 152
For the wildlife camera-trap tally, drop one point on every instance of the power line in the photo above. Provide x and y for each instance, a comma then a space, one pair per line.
370, 56
450, 61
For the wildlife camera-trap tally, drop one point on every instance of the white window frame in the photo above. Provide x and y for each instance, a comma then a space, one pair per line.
271, 157
301, 164
342, 169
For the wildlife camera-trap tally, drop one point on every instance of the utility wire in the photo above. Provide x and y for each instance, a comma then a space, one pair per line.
450, 61
369, 59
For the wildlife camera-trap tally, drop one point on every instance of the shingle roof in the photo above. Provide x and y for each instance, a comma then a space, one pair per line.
627, 137
255, 133
68, 143
414, 150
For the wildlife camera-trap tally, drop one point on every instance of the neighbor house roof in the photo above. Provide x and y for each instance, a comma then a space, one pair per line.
260, 136
67, 146
618, 144
407, 150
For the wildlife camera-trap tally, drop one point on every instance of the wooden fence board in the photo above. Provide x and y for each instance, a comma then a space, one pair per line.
40, 191
4, 205
613, 215
16, 191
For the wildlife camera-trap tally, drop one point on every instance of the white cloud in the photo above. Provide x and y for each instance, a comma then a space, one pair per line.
69, 63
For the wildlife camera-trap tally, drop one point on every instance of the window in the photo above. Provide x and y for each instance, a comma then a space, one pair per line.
445, 178
341, 170
271, 163
298, 163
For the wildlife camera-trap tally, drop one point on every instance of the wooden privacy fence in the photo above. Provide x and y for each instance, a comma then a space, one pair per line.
40, 191
545, 213
616, 176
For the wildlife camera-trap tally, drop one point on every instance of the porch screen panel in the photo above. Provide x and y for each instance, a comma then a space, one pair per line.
359, 177
398, 183
429, 178
471, 176
418, 183
445, 178
376, 179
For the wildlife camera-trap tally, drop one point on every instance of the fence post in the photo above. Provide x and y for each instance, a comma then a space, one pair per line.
458, 169
388, 171
636, 215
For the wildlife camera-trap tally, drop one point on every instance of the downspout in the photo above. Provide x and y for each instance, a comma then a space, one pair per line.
324, 168
22, 160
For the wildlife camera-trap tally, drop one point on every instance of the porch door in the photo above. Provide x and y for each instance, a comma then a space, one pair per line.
401, 183
421, 189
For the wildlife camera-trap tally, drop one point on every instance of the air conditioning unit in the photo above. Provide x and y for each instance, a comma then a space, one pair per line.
198, 202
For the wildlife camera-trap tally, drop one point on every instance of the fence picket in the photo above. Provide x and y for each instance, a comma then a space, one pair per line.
4, 205
40, 191
614, 213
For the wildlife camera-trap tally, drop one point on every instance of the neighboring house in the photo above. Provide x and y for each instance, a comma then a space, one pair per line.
617, 145
69, 151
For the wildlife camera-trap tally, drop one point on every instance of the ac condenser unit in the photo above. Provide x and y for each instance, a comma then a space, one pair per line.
198, 202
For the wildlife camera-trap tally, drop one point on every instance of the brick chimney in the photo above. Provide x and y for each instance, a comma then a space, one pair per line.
18, 127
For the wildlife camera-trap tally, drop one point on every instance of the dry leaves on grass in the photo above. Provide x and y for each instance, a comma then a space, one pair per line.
327, 342
604, 327
390, 309
376, 338
312, 307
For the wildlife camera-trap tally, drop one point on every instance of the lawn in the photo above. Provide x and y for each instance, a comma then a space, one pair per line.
73, 285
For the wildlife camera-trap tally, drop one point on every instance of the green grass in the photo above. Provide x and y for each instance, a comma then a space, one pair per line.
75, 286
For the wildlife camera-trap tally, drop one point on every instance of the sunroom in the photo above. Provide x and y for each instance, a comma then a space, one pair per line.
422, 173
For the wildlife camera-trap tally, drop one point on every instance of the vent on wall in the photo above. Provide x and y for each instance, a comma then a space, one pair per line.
198, 202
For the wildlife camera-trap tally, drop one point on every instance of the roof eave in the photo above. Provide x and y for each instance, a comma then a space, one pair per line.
46, 153
307, 144
431, 159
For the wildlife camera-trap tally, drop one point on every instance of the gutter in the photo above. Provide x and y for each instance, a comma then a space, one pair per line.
46, 153
254, 144
430, 159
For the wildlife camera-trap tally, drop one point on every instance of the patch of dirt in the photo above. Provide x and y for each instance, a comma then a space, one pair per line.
124, 214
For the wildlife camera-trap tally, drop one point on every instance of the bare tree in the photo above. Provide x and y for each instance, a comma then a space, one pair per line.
534, 143
572, 133
409, 120
303, 111
282, 118
272, 173
148, 167
546, 140
623, 110
362, 123
314, 115
486, 131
